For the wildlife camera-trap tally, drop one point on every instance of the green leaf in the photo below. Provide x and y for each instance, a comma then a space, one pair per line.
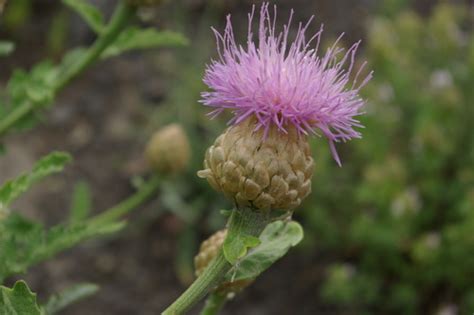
81, 202
91, 15
59, 301
52, 163
6, 48
24, 243
275, 241
19, 300
136, 38
34, 89
236, 246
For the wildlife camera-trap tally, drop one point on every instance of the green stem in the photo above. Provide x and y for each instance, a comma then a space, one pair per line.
214, 303
242, 221
116, 212
118, 21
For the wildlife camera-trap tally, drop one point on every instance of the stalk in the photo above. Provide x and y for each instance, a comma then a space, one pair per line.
243, 221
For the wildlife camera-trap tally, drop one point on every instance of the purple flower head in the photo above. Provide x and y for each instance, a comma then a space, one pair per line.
284, 82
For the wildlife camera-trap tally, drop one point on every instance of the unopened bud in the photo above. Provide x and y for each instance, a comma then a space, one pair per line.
271, 171
168, 151
207, 252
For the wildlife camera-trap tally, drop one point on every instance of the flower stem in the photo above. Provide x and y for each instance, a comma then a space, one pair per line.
243, 221
214, 303
118, 21
116, 212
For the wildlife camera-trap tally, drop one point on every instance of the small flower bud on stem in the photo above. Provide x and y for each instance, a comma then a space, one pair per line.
168, 151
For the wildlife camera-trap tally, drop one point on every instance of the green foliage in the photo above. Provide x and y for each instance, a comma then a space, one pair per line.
52, 163
24, 243
18, 300
69, 296
238, 240
275, 241
91, 15
402, 235
135, 38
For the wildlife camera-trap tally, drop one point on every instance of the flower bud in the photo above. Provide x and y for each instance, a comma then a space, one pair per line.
168, 151
258, 170
207, 252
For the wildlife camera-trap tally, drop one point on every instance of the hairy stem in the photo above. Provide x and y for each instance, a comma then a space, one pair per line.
118, 21
214, 303
242, 221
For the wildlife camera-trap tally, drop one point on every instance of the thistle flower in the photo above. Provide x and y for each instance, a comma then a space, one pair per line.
279, 92
286, 84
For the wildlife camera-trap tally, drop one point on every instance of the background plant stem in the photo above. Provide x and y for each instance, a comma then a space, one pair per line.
121, 16
145, 191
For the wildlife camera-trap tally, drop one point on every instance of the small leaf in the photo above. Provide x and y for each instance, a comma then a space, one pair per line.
237, 242
59, 301
275, 241
91, 15
6, 48
19, 300
81, 202
136, 38
52, 163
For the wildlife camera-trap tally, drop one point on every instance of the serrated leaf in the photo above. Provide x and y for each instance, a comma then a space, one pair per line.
91, 15
137, 38
19, 300
33, 90
275, 241
81, 202
52, 163
59, 301
6, 48
24, 243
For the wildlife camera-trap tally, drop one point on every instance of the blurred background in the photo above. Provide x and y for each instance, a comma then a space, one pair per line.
391, 232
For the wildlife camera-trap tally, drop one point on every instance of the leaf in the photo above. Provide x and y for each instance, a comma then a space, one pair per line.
136, 38
19, 300
237, 242
34, 89
59, 301
6, 48
52, 163
24, 243
91, 15
275, 241
81, 203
